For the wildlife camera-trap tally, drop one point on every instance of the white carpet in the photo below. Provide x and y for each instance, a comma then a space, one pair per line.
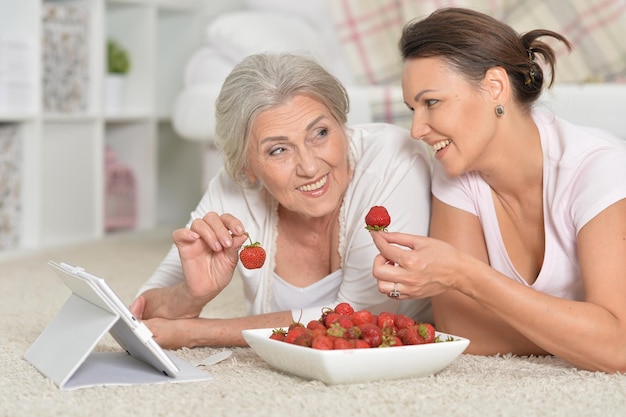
244, 384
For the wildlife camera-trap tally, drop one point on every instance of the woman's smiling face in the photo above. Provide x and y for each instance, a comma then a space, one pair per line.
453, 116
299, 153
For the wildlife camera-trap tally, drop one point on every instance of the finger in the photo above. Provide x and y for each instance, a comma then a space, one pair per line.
184, 235
384, 271
233, 224
391, 289
402, 239
390, 251
381, 260
203, 228
137, 307
225, 227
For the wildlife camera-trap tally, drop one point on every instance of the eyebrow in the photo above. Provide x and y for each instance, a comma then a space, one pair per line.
278, 138
317, 119
421, 93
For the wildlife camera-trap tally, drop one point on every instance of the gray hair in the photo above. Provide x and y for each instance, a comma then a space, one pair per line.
261, 82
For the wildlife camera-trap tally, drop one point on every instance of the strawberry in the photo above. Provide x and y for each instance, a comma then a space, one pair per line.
315, 324
294, 324
410, 335
252, 256
278, 334
372, 334
417, 334
386, 319
293, 334
395, 341
361, 344
341, 343
336, 330
345, 322
377, 219
331, 318
401, 321
361, 317
344, 308
304, 339
323, 342
427, 331
353, 332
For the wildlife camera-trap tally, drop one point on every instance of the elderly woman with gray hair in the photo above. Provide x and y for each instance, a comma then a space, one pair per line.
300, 181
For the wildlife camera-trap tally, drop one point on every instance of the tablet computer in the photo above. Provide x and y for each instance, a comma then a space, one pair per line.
131, 334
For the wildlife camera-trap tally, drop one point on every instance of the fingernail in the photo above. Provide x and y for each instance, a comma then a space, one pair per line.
227, 242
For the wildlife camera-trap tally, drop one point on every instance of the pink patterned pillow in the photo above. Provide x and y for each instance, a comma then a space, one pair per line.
368, 32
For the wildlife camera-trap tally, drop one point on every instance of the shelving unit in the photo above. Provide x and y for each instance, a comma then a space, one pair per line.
63, 153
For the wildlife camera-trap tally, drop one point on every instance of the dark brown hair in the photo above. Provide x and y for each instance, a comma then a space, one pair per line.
472, 42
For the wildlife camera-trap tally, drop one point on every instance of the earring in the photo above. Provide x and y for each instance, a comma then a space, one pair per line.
499, 110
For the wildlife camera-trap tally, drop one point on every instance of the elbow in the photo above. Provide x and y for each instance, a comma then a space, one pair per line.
610, 362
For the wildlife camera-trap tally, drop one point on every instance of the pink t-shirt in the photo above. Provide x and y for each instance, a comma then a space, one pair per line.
584, 172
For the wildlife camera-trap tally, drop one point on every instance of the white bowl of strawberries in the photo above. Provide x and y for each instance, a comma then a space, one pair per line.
345, 346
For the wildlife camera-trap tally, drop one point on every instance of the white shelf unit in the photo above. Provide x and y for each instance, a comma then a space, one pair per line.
63, 154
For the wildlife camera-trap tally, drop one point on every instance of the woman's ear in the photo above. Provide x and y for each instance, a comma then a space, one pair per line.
496, 83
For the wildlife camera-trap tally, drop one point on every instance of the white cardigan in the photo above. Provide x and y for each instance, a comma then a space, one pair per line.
390, 169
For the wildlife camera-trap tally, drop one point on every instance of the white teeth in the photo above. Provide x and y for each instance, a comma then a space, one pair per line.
440, 145
314, 186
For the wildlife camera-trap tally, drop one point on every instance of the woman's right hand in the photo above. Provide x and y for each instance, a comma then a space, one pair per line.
209, 252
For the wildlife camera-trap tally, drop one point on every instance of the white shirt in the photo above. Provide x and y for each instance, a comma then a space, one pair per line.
584, 172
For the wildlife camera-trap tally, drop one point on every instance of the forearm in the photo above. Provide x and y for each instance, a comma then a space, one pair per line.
173, 303
581, 333
227, 332
458, 314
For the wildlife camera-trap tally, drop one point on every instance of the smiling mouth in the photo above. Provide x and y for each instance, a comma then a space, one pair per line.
440, 145
314, 186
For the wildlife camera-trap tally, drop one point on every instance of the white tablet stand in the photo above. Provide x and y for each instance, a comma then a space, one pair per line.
64, 353
68, 340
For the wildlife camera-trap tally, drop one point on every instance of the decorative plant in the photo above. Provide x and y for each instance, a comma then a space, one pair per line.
117, 58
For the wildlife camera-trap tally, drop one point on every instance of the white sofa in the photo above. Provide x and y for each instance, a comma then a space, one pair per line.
308, 27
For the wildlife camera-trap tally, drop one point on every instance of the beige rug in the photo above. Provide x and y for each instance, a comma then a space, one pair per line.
244, 385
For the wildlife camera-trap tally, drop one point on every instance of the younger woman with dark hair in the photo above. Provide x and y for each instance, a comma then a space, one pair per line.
527, 246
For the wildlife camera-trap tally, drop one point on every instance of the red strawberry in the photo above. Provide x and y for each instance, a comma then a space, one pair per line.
386, 319
278, 334
336, 330
345, 322
395, 341
377, 219
323, 343
353, 332
252, 256
316, 324
341, 343
344, 308
293, 333
401, 321
361, 317
331, 318
304, 339
361, 344
410, 335
427, 331
417, 334
372, 334
295, 324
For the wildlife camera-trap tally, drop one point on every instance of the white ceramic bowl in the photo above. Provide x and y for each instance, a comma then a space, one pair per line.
356, 365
